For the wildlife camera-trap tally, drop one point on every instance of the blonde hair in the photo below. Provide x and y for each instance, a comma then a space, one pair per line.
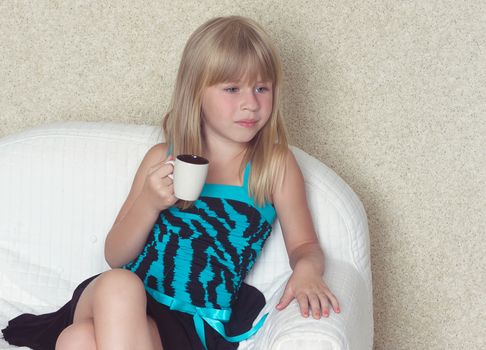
221, 50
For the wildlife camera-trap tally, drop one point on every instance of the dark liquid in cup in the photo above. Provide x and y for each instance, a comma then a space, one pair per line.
193, 159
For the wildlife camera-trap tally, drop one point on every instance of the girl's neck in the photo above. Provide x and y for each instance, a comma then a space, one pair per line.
224, 153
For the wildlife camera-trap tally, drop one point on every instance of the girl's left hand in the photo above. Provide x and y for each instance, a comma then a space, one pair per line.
310, 291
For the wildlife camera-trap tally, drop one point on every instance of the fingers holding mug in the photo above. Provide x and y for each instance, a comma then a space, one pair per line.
171, 174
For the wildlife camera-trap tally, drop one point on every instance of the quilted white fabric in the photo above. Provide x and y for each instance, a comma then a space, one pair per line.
61, 186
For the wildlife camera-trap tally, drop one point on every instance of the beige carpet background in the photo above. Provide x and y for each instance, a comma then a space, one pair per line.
390, 94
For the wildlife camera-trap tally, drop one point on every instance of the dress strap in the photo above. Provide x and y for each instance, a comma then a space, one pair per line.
170, 150
246, 175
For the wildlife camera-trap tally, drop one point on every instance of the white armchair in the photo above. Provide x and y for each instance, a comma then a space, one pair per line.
61, 186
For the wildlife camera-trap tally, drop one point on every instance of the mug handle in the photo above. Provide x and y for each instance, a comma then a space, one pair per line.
171, 176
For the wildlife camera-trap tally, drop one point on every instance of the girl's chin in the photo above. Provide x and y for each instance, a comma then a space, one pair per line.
247, 139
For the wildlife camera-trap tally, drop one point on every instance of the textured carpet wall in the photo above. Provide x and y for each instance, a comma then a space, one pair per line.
390, 94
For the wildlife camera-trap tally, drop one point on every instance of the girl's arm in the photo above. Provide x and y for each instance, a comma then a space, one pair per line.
151, 192
305, 254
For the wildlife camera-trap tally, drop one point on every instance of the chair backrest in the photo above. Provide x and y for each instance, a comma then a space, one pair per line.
61, 186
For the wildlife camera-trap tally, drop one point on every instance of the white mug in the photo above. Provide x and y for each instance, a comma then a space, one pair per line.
189, 176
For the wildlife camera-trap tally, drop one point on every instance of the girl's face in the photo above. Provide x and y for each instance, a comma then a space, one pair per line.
235, 111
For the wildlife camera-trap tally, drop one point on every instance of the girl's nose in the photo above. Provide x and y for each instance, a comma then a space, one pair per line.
250, 101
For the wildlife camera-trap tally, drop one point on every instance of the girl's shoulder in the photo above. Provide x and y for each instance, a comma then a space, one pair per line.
291, 171
156, 154
288, 163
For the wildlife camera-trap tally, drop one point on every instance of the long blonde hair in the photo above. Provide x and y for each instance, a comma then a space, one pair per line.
221, 50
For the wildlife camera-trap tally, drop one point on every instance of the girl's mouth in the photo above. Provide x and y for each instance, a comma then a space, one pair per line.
247, 123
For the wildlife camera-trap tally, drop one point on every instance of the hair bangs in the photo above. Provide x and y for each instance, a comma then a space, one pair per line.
241, 55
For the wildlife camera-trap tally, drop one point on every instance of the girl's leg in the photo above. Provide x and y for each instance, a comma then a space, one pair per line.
111, 312
79, 335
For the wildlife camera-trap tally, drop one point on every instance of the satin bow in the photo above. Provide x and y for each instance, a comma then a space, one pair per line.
215, 318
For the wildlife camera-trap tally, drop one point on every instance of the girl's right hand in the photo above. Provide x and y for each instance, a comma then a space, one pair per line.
158, 188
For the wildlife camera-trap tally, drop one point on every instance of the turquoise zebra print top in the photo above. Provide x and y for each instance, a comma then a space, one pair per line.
201, 255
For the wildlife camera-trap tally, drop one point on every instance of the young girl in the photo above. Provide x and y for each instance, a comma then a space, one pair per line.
178, 267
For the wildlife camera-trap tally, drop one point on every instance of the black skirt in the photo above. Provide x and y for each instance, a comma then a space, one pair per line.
177, 332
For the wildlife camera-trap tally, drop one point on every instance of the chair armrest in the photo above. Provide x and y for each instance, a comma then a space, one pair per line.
351, 329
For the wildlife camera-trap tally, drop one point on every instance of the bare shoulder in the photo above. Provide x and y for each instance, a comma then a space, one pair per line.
289, 180
291, 170
292, 162
155, 155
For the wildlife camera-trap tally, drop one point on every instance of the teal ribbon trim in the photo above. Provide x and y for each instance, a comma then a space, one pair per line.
215, 318
219, 327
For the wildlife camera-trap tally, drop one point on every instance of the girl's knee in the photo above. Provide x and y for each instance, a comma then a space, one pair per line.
119, 283
78, 336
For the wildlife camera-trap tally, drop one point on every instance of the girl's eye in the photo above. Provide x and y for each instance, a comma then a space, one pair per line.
231, 89
261, 89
